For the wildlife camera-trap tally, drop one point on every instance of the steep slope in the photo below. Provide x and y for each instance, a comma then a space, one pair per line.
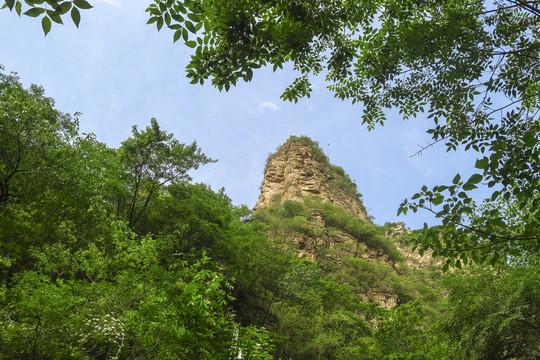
314, 207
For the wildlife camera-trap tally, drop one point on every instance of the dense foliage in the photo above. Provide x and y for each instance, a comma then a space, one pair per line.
494, 313
114, 254
85, 271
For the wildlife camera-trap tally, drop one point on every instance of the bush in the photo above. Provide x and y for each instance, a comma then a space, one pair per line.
292, 209
366, 232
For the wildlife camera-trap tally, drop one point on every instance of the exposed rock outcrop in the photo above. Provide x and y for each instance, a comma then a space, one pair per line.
296, 171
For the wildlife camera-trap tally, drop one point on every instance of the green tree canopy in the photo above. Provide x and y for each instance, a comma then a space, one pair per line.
493, 313
190, 280
76, 280
151, 159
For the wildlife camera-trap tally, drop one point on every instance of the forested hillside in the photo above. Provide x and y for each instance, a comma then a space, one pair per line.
115, 254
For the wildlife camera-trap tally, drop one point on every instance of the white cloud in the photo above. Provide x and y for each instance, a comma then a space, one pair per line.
268, 105
115, 3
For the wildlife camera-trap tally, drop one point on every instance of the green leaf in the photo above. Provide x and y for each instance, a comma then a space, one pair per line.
189, 25
179, 7
167, 19
82, 4
75, 16
456, 179
55, 17
193, 17
18, 6
63, 8
53, 3
34, 12
445, 267
437, 200
177, 35
475, 179
10, 4
482, 163
494, 259
46, 25
191, 44
153, 10
475, 258
177, 17
468, 187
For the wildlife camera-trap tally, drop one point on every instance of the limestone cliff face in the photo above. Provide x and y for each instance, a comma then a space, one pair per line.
296, 171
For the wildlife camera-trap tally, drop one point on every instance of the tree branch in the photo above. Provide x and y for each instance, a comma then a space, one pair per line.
491, 235
422, 148
527, 5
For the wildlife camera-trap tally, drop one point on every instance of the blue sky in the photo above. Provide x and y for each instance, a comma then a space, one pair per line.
119, 72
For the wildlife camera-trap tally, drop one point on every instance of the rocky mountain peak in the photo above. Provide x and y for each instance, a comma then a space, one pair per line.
315, 207
299, 168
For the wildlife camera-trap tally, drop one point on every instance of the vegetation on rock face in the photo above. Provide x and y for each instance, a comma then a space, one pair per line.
292, 218
363, 231
110, 256
311, 143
